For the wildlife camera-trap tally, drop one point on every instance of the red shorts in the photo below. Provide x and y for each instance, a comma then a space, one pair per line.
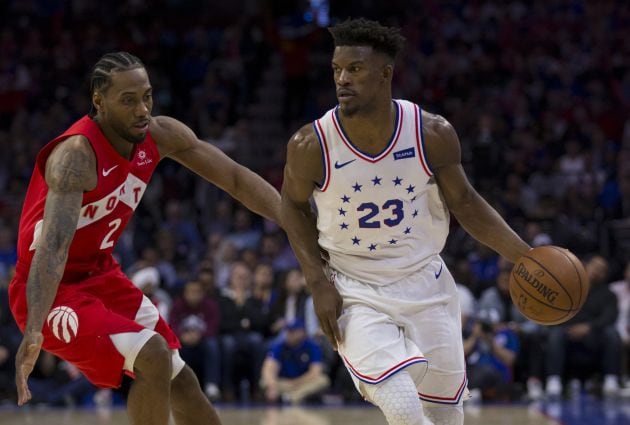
83, 316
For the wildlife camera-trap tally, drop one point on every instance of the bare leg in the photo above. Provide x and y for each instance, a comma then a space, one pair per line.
148, 401
190, 406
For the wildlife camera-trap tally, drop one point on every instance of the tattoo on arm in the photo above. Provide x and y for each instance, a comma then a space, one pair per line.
68, 172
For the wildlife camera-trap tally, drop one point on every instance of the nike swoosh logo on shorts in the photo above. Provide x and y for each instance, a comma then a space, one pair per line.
439, 272
106, 172
338, 165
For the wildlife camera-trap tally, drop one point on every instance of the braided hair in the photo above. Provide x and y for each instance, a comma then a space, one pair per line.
108, 64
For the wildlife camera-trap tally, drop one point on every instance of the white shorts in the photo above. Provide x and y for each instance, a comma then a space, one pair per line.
412, 324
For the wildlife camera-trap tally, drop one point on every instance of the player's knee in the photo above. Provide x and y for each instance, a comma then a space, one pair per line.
398, 400
185, 385
444, 414
154, 358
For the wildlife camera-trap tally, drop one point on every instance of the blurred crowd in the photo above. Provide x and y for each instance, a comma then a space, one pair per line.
538, 91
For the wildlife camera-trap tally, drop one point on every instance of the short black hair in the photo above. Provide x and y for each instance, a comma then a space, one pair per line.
101, 77
363, 32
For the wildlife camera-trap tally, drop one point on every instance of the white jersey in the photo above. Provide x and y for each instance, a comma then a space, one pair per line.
381, 218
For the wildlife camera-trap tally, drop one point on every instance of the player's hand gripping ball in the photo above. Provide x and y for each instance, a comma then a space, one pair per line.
549, 285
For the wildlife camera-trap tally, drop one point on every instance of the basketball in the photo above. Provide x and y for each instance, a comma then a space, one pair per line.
548, 285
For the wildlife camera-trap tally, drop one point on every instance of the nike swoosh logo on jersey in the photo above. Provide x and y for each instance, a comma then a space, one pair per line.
106, 172
439, 272
338, 165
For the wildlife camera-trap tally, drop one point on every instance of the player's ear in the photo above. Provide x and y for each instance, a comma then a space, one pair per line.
97, 100
388, 71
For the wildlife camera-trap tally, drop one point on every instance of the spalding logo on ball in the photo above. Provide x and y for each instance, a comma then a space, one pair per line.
549, 285
64, 323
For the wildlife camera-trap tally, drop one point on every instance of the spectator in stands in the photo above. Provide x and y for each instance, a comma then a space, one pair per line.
243, 234
292, 302
148, 281
621, 289
275, 249
264, 286
195, 316
293, 369
530, 335
590, 337
150, 257
483, 263
535, 235
8, 252
185, 232
8, 348
467, 301
59, 383
205, 276
242, 326
491, 349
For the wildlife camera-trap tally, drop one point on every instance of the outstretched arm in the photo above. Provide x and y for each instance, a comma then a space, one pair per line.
179, 142
70, 170
479, 219
302, 170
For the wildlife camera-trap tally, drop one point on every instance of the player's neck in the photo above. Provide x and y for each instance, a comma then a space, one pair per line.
371, 130
120, 145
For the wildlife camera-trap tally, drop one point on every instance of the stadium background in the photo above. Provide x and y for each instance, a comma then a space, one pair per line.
538, 91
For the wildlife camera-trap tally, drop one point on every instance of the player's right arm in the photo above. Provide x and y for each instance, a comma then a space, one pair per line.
70, 170
303, 168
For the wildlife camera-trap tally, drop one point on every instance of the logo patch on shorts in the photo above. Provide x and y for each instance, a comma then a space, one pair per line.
64, 323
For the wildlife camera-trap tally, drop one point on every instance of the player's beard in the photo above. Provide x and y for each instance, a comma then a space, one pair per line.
349, 111
126, 134
136, 140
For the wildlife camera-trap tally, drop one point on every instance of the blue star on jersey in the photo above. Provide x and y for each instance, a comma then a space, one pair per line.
382, 216
388, 218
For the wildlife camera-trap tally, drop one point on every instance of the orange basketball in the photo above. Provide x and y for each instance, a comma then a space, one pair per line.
549, 285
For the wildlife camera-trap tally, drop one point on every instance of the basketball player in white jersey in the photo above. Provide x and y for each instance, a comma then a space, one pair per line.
384, 174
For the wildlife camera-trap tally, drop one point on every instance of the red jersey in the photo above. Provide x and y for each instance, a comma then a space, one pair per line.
105, 210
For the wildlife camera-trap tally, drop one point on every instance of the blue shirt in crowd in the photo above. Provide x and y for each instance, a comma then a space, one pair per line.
295, 361
483, 355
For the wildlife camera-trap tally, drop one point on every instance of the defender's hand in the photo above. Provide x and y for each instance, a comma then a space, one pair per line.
25, 360
328, 304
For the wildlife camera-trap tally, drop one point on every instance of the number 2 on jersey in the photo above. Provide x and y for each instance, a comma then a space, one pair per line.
397, 212
107, 242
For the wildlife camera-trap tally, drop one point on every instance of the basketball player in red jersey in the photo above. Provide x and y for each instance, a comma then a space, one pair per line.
69, 296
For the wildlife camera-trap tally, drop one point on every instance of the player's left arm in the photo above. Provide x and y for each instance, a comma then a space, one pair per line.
177, 141
479, 219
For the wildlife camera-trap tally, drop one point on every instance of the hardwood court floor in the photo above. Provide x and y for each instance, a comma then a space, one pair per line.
582, 411
272, 416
